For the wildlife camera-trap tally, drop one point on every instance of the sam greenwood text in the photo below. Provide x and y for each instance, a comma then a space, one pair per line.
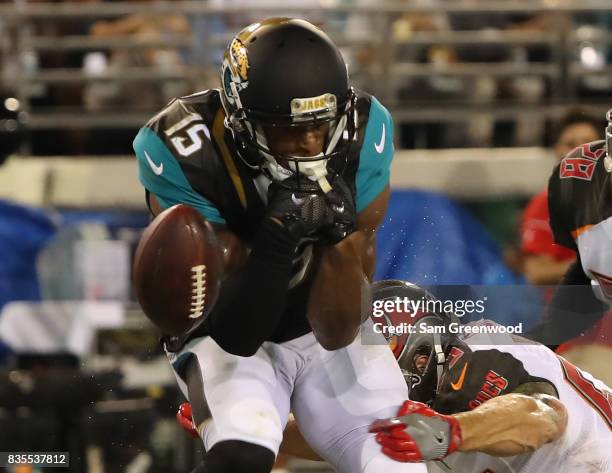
454, 328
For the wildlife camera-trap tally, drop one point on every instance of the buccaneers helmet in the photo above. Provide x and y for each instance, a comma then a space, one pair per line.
284, 72
422, 353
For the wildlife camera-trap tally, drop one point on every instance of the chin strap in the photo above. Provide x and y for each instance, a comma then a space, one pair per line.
315, 170
440, 358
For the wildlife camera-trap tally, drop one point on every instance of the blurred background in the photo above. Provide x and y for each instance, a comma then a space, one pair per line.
486, 96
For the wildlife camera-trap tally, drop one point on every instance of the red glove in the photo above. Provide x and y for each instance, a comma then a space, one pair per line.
183, 417
417, 434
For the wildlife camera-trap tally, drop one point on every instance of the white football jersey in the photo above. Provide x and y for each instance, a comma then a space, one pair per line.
596, 257
585, 447
580, 207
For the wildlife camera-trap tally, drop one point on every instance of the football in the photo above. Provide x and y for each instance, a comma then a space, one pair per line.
177, 270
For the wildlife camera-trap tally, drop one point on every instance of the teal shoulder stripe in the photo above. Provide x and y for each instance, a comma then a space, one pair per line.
375, 156
161, 174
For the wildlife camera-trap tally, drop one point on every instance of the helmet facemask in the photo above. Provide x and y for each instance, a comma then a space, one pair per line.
271, 78
250, 135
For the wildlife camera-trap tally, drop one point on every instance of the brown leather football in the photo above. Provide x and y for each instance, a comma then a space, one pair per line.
177, 270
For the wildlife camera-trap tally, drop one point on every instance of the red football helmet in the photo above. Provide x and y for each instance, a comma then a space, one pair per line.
420, 354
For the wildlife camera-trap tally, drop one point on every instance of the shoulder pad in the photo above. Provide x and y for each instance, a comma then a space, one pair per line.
185, 125
176, 158
580, 163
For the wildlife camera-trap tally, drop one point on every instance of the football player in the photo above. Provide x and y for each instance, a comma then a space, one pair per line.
483, 403
492, 402
291, 165
580, 207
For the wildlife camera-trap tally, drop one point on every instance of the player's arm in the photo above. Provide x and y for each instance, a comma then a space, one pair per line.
341, 289
512, 424
344, 274
244, 315
507, 425
520, 412
523, 416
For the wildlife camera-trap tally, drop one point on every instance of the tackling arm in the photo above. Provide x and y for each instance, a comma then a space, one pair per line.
345, 271
512, 424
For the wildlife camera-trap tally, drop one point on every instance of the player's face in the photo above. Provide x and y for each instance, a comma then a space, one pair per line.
574, 136
301, 141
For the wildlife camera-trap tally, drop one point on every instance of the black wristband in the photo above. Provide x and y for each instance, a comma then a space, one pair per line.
253, 300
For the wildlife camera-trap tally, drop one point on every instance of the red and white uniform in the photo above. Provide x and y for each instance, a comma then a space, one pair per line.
580, 205
507, 361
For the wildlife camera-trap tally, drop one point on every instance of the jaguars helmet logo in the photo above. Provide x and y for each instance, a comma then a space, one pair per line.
239, 59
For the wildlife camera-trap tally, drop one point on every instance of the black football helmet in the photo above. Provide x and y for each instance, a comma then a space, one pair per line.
285, 72
421, 355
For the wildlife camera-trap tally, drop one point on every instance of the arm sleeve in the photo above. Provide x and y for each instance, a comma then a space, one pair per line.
252, 301
161, 174
376, 155
572, 310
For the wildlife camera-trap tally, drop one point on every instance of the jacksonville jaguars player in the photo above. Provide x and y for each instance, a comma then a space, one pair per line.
291, 165
580, 209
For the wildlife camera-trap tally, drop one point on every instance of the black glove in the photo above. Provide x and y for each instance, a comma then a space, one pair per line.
344, 213
301, 206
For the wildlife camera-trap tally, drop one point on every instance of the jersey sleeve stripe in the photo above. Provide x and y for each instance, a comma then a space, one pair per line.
161, 174
579, 231
599, 399
218, 131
